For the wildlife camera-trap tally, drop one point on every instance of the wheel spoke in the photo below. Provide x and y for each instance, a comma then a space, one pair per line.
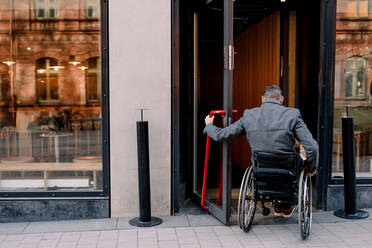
304, 205
247, 201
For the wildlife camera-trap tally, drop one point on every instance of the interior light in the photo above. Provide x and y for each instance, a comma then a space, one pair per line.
75, 63
282, 1
56, 67
83, 68
41, 71
28, 48
9, 63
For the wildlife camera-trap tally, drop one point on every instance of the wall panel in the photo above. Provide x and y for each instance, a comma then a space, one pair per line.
257, 65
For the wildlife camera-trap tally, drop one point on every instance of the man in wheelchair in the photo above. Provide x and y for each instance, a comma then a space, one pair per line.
271, 129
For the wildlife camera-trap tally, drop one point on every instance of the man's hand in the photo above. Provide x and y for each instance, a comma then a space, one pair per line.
312, 174
209, 120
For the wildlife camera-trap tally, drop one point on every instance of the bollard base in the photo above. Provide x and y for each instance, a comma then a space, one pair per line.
360, 214
154, 222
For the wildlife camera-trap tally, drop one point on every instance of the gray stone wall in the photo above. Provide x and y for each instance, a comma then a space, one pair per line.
47, 210
335, 197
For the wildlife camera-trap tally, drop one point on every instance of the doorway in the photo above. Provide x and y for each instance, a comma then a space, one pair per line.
273, 43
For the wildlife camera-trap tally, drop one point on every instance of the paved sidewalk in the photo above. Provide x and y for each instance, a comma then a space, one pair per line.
187, 231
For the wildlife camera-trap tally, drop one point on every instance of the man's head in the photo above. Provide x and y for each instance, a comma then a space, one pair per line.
273, 92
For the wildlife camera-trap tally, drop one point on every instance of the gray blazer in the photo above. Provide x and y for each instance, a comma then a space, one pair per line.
270, 128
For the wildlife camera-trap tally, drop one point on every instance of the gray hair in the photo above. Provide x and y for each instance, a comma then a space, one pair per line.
272, 92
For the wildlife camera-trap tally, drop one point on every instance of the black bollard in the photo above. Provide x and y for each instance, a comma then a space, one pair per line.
348, 148
145, 219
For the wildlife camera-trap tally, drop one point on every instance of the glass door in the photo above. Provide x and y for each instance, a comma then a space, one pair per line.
213, 67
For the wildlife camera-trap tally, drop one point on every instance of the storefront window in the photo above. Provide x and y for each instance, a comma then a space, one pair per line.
50, 137
353, 79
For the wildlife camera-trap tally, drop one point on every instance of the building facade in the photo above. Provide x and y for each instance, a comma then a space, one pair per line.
74, 74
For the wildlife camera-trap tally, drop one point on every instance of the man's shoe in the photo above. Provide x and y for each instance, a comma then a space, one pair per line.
287, 213
277, 211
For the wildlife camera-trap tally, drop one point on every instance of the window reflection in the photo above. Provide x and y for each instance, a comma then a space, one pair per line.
93, 82
50, 95
357, 8
46, 8
353, 78
47, 79
92, 9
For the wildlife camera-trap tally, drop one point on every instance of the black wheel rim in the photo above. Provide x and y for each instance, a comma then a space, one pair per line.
248, 203
305, 207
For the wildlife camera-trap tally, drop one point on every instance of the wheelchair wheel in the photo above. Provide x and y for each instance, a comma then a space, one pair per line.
240, 195
248, 202
304, 205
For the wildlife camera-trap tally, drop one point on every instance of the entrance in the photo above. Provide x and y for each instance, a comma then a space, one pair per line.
237, 49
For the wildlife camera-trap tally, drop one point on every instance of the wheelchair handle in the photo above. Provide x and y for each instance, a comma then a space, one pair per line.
220, 112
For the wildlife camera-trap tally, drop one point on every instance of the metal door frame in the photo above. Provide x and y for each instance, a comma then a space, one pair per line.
223, 212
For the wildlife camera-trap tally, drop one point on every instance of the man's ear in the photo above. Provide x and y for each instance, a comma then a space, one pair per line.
281, 100
262, 98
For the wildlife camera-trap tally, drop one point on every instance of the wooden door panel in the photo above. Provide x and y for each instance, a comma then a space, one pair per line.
257, 62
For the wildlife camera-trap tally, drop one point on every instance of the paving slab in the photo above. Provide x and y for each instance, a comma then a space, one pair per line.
123, 223
12, 228
188, 231
175, 221
339, 234
71, 226
203, 220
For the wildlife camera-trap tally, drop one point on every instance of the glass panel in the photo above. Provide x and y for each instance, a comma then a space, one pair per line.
53, 8
40, 8
41, 88
351, 9
50, 138
363, 8
40, 13
93, 81
53, 86
92, 87
353, 79
52, 13
209, 95
92, 9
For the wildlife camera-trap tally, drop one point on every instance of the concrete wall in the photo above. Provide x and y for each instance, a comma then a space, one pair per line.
140, 74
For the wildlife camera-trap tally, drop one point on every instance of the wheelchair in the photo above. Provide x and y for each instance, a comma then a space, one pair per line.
276, 178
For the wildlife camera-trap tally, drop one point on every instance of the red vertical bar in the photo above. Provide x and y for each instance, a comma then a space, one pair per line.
205, 172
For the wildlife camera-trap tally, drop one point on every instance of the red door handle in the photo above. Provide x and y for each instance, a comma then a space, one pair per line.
206, 159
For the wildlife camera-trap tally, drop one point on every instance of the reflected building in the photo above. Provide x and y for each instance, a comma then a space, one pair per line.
50, 56
50, 92
353, 80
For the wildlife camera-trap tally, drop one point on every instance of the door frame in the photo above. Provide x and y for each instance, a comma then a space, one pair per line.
223, 212
228, 75
325, 111
326, 93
